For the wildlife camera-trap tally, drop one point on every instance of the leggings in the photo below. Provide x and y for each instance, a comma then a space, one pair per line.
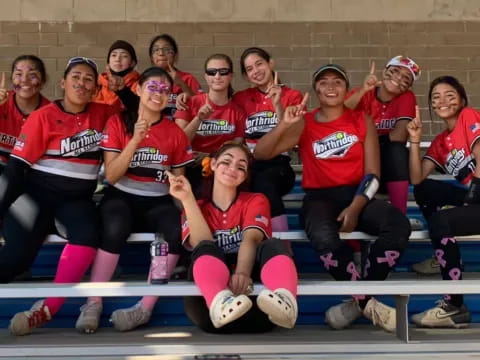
319, 213
255, 320
445, 224
122, 213
273, 178
394, 160
31, 218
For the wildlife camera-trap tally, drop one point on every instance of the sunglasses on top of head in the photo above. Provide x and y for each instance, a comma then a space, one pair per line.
214, 71
82, 60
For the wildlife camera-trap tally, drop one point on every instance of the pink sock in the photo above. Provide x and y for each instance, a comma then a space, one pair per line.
398, 193
102, 269
280, 224
148, 302
280, 272
74, 262
211, 276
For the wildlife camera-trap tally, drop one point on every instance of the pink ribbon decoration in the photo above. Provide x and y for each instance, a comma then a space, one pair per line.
439, 254
353, 270
445, 241
328, 261
455, 274
390, 257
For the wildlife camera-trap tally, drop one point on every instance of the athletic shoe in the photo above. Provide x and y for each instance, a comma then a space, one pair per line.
428, 266
280, 306
444, 315
23, 322
343, 315
89, 317
226, 307
130, 318
381, 315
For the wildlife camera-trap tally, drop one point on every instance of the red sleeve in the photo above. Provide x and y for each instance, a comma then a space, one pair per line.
256, 214
32, 142
240, 121
406, 106
470, 118
187, 114
113, 134
193, 84
361, 106
186, 228
183, 153
434, 152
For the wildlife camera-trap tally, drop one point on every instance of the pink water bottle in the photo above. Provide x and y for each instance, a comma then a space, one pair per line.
159, 264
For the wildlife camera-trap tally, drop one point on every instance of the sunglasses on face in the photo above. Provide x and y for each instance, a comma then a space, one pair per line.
82, 60
214, 71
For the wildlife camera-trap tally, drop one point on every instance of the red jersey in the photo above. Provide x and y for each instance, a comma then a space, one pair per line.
188, 79
386, 114
165, 147
332, 152
261, 116
11, 121
451, 151
249, 210
59, 143
227, 122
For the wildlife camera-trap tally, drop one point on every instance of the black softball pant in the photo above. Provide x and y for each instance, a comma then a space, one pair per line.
255, 320
32, 217
273, 178
122, 213
319, 214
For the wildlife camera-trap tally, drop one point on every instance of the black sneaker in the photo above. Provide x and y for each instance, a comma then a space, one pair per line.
444, 315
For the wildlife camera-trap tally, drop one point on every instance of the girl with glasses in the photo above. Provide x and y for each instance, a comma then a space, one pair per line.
138, 151
52, 174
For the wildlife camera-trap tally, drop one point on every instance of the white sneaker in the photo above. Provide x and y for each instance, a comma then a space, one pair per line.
343, 315
89, 317
280, 305
227, 307
381, 315
428, 266
130, 318
23, 322
444, 315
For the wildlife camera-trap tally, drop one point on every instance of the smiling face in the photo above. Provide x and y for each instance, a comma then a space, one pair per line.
80, 85
223, 74
446, 101
27, 80
331, 89
120, 60
230, 167
154, 93
258, 71
397, 79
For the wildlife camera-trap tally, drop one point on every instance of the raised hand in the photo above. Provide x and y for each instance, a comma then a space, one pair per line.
293, 114
171, 70
181, 101
414, 127
206, 110
274, 92
371, 80
3, 90
115, 83
141, 126
179, 187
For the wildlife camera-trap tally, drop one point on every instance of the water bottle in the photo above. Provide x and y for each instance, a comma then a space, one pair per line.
159, 264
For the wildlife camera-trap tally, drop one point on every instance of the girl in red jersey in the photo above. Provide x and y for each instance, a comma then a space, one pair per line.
54, 164
121, 62
264, 104
28, 78
229, 234
211, 119
340, 154
454, 151
138, 150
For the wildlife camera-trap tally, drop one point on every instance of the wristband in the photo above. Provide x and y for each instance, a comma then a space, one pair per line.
473, 194
369, 186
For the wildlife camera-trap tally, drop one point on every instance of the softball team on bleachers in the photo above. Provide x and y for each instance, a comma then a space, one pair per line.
222, 159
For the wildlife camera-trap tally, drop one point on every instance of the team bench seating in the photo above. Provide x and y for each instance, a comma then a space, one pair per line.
400, 289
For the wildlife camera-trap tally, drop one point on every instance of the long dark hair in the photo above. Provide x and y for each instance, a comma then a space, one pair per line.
130, 116
453, 82
165, 37
257, 51
229, 61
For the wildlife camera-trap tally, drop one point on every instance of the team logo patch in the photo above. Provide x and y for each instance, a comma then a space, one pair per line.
147, 155
79, 143
215, 127
261, 122
262, 219
334, 146
229, 240
475, 127
457, 160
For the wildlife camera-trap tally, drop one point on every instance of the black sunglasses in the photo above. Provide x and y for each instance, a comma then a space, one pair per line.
214, 71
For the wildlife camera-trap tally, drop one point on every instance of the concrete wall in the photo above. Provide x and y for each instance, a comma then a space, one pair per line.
443, 36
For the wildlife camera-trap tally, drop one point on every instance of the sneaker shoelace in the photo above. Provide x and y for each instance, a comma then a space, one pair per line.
379, 315
137, 314
36, 317
89, 308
